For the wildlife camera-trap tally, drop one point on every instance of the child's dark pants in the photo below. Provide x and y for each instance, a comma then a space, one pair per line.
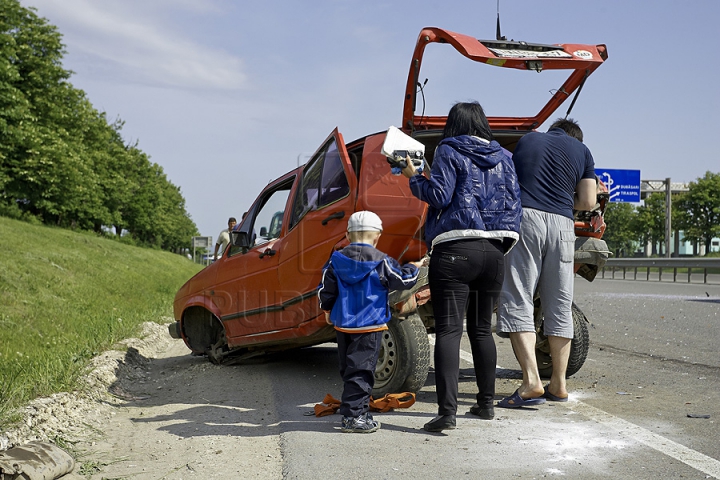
358, 354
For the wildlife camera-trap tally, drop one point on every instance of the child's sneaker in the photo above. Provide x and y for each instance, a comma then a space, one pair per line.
362, 424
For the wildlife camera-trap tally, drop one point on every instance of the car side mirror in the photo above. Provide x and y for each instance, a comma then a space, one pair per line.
240, 239
263, 232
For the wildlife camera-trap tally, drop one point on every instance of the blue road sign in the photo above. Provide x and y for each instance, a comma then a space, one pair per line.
623, 185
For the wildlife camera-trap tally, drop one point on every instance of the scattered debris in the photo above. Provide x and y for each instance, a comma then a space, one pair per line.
35, 461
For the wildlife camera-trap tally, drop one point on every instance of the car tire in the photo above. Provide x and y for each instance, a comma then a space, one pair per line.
579, 346
404, 358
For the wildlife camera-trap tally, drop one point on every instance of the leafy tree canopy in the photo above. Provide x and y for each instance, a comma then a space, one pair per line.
699, 210
61, 162
620, 233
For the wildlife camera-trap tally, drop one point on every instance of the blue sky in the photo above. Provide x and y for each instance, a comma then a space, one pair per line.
228, 95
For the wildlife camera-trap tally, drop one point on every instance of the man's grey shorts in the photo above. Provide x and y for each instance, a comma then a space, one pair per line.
542, 260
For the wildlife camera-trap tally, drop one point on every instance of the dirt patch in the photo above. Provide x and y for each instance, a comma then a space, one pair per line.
70, 417
154, 411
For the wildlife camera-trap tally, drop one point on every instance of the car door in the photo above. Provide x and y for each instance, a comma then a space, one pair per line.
247, 282
323, 201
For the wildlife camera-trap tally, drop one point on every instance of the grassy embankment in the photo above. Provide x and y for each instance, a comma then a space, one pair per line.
66, 296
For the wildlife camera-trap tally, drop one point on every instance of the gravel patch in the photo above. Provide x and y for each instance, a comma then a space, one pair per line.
67, 418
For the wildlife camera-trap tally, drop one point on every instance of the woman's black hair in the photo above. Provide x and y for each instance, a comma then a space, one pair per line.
467, 118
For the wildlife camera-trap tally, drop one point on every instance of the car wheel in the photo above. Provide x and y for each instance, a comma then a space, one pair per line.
217, 352
404, 358
204, 334
578, 347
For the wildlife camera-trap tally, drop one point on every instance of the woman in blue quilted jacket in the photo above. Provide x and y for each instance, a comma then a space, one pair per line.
473, 220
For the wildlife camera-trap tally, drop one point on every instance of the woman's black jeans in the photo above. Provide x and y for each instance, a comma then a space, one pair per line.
465, 279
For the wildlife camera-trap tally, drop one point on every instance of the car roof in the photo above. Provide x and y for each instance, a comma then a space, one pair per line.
579, 59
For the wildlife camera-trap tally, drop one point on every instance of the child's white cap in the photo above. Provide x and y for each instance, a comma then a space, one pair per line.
364, 221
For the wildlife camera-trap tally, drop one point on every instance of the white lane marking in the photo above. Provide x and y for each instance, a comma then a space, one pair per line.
688, 456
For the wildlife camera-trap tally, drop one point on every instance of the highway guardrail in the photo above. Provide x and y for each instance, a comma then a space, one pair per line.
690, 263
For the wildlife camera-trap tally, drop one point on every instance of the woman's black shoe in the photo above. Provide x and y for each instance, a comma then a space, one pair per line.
442, 422
487, 413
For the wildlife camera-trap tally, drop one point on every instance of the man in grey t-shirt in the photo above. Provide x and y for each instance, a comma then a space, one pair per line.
556, 173
224, 238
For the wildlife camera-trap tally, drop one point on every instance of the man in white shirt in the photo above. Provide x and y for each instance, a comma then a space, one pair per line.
224, 238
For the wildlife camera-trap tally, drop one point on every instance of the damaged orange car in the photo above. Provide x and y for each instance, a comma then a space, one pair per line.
261, 295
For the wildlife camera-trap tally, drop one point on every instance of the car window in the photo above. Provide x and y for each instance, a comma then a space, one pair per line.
268, 221
334, 185
324, 182
306, 196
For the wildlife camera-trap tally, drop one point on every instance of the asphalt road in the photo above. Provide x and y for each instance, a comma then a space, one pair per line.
677, 321
653, 360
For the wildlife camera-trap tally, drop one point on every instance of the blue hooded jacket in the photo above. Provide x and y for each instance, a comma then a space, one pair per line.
472, 192
355, 285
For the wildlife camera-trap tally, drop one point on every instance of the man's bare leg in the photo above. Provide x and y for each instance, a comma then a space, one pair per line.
560, 353
523, 344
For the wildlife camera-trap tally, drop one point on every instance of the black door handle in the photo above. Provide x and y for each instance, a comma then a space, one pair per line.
336, 215
268, 253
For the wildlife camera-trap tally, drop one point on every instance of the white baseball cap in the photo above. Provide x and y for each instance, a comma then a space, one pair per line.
364, 221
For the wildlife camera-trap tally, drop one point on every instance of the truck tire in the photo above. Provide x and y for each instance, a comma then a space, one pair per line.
578, 347
404, 358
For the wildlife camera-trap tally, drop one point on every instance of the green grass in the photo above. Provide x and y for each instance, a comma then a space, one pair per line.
66, 296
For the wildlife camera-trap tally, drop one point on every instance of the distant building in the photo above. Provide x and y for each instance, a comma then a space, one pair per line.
686, 248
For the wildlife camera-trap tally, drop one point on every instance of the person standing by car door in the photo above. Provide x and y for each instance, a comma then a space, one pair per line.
224, 238
556, 173
473, 220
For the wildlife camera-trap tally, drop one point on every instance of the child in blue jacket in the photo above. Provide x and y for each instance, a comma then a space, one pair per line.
354, 295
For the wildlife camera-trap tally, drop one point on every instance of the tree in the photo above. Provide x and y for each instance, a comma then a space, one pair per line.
620, 234
153, 212
60, 160
42, 117
650, 221
699, 210
30, 53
